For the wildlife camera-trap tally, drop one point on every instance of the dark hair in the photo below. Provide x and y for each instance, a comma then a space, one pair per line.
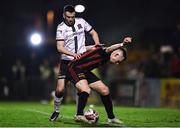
124, 53
68, 8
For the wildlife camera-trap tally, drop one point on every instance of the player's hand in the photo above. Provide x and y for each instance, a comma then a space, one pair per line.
99, 45
127, 40
77, 55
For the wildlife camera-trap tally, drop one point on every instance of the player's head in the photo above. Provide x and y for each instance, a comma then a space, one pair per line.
118, 56
69, 14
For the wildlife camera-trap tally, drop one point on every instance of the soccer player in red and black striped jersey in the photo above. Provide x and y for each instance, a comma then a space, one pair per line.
78, 69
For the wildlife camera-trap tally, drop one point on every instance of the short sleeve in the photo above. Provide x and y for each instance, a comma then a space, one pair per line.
59, 33
87, 26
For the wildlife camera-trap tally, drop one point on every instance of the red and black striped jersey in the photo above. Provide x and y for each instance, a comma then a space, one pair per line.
92, 59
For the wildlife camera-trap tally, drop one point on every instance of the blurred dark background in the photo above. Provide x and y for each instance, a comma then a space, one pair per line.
112, 19
153, 24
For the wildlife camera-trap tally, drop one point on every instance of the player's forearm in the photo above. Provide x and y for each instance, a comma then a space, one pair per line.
117, 46
114, 47
95, 37
90, 47
64, 51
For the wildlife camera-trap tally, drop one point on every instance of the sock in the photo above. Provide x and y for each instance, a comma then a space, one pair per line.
57, 101
108, 105
82, 100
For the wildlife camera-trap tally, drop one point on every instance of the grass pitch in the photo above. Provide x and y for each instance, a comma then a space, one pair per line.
28, 114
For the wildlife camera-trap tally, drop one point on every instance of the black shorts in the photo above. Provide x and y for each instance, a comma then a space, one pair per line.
63, 70
64, 74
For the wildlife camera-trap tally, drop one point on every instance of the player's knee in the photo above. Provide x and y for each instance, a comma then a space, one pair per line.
59, 94
83, 86
105, 91
86, 89
60, 87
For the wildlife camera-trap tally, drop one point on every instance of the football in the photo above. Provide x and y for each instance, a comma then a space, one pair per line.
92, 115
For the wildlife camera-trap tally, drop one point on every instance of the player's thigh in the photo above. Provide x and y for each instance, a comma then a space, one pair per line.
62, 75
96, 84
100, 87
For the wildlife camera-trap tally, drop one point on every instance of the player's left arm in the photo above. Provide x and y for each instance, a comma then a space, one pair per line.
126, 40
95, 36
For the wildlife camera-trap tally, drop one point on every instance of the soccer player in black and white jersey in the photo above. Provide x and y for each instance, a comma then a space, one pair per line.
70, 38
93, 59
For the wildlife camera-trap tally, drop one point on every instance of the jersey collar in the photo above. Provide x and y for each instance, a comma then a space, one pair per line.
68, 24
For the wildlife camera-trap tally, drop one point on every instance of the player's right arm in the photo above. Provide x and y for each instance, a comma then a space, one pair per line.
62, 49
92, 47
119, 45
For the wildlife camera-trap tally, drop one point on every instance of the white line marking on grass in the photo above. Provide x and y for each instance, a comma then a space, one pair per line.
37, 111
46, 113
67, 117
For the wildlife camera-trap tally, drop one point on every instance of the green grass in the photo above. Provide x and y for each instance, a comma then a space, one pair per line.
20, 114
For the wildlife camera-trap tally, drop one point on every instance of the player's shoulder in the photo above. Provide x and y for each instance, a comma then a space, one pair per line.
61, 25
79, 19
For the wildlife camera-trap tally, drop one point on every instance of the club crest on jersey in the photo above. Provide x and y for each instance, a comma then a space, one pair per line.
79, 26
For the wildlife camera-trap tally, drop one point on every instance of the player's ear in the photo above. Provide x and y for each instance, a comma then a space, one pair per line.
117, 54
63, 15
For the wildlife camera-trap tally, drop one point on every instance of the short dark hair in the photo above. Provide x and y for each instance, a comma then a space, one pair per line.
68, 8
124, 53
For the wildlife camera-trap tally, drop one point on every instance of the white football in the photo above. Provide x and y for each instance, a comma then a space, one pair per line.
91, 115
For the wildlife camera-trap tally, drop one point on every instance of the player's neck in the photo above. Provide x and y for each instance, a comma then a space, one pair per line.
69, 24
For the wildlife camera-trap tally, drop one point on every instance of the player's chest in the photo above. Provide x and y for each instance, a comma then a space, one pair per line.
76, 30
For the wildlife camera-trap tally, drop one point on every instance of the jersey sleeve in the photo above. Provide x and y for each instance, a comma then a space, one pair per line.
59, 33
87, 26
